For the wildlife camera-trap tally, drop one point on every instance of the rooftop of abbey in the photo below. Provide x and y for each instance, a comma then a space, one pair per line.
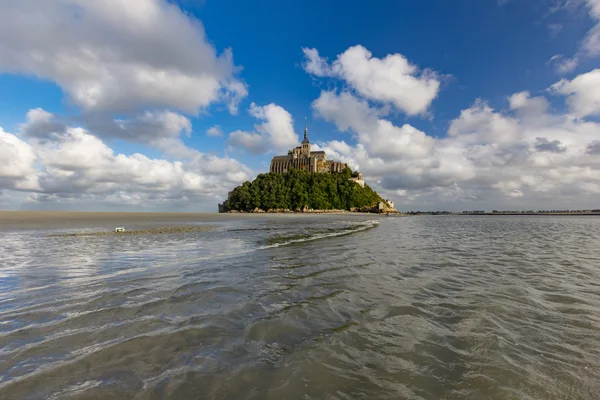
301, 158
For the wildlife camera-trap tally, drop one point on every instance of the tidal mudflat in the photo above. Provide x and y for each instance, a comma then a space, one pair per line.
299, 306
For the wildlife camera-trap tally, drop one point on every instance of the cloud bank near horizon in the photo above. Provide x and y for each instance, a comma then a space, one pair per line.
526, 155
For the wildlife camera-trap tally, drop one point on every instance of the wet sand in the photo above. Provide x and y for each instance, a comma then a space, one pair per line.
153, 231
25, 220
103, 221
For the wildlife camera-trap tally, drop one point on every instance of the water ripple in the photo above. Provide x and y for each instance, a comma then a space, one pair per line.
339, 307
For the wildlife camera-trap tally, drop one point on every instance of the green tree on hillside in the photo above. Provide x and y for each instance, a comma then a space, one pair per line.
298, 188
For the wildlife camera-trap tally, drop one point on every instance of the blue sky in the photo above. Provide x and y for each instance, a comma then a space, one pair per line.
442, 104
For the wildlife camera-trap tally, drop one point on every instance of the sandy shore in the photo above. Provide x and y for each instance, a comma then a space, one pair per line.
17, 220
108, 221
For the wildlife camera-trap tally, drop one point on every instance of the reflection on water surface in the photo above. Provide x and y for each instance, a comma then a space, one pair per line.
288, 307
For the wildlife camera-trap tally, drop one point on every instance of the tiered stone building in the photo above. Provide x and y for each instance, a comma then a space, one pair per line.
302, 158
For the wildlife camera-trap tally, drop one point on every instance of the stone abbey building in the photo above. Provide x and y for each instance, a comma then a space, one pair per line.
302, 158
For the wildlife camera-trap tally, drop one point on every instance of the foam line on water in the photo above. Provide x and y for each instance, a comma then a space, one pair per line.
365, 226
358, 227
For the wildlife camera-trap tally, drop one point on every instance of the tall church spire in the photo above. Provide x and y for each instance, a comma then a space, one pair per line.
305, 132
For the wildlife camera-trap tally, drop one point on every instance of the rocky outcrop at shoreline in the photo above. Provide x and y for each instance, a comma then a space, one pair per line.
379, 208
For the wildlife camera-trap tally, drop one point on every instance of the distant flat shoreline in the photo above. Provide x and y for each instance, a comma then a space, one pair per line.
519, 214
546, 214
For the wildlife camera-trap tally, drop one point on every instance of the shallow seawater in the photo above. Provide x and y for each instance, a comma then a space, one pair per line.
306, 307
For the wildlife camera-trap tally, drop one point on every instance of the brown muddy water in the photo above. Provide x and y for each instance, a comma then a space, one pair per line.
301, 307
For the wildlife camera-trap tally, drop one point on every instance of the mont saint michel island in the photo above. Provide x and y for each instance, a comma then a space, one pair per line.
306, 181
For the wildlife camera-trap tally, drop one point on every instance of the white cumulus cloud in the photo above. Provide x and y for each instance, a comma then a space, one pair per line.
160, 129
66, 164
215, 131
583, 93
480, 124
391, 80
314, 64
116, 55
275, 133
17, 168
380, 137
527, 106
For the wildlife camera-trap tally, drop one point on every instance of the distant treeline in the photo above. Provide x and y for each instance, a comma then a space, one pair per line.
297, 189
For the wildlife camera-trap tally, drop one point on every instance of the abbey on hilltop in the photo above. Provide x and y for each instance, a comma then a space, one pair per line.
301, 158
304, 181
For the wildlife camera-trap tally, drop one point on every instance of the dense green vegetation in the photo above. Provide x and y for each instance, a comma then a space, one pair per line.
296, 189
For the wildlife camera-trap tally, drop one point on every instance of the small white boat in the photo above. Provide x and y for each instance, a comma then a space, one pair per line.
120, 229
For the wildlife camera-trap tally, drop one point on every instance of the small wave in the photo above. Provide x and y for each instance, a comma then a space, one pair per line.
77, 389
354, 228
359, 227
